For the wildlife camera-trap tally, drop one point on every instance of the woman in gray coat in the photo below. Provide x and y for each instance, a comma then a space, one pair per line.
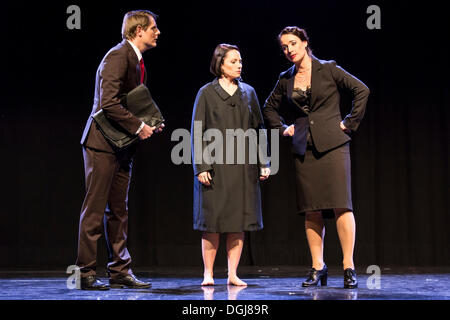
226, 186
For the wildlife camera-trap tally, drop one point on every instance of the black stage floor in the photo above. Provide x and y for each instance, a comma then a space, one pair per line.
264, 283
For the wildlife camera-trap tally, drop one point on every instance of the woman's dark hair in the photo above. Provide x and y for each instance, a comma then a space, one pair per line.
219, 54
296, 31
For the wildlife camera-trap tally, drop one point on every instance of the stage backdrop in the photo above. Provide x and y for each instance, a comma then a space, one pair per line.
400, 165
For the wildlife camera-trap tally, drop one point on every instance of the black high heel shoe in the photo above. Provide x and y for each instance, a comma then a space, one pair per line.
315, 276
350, 280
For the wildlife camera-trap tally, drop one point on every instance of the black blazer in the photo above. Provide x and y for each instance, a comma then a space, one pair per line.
327, 79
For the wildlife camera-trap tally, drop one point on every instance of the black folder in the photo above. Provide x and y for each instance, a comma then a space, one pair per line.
140, 103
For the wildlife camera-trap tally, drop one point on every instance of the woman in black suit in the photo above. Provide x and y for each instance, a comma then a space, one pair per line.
320, 144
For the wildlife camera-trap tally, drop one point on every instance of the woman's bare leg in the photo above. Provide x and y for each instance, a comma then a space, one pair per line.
210, 244
346, 228
235, 243
315, 234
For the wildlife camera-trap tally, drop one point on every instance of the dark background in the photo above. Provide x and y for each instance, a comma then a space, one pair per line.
400, 167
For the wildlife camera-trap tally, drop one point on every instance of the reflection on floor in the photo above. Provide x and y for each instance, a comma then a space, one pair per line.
264, 283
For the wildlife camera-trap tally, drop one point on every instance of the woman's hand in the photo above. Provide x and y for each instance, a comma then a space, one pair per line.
344, 128
204, 178
289, 132
264, 174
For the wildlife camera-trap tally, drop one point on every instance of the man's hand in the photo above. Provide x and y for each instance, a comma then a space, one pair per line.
160, 128
146, 132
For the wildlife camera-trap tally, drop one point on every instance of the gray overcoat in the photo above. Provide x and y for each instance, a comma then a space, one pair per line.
233, 201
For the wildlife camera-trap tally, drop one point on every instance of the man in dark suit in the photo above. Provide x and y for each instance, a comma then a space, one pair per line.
108, 170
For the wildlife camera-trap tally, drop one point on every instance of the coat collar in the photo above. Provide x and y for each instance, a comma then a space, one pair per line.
315, 80
131, 54
291, 80
133, 57
221, 91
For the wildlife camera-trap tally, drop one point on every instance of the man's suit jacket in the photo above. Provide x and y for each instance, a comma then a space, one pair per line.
118, 73
324, 117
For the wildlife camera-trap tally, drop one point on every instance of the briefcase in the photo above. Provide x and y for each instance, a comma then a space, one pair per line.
141, 104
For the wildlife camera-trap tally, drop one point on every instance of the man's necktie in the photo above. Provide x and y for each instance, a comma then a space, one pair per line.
141, 64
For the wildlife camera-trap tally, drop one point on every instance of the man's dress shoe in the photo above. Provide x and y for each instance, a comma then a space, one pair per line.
92, 283
128, 281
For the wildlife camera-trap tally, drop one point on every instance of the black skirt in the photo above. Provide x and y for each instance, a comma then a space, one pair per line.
323, 180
